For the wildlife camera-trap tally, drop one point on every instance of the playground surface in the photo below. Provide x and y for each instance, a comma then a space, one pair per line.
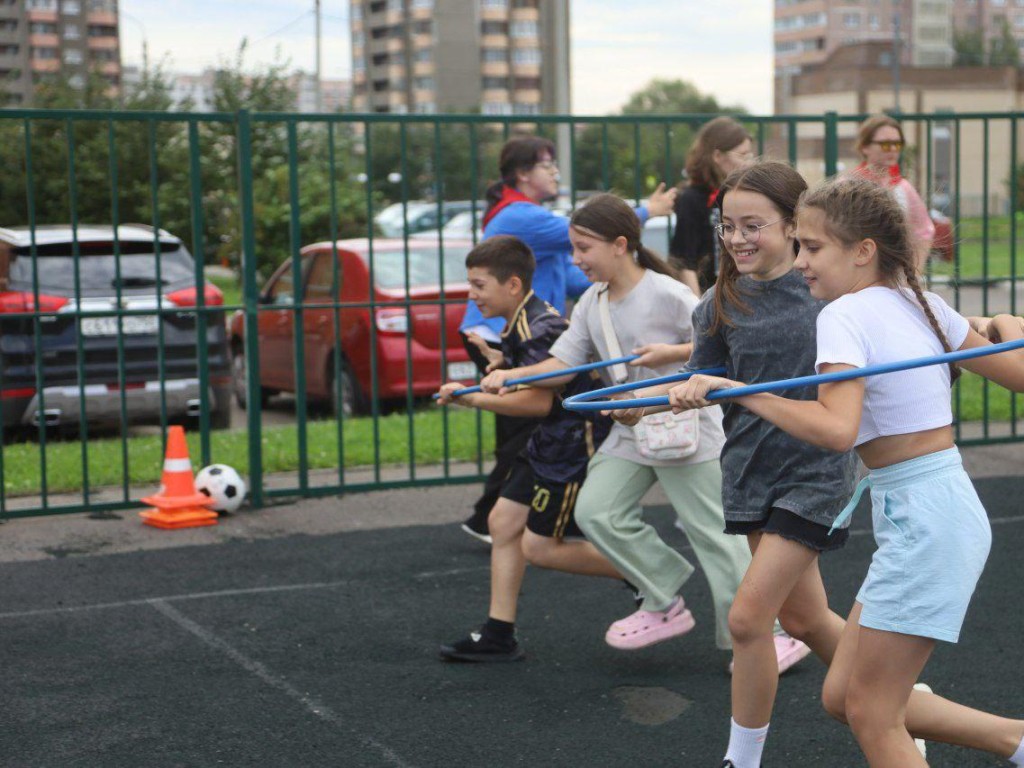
307, 635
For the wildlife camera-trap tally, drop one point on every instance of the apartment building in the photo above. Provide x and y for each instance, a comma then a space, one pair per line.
42, 38
501, 57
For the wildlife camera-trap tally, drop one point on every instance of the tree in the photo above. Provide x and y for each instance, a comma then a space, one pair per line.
640, 155
1003, 50
969, 48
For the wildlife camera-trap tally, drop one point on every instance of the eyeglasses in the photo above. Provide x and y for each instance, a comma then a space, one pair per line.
547, 165
750, 232
888, 146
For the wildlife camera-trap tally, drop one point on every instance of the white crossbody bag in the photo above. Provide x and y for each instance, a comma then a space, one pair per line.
661, 436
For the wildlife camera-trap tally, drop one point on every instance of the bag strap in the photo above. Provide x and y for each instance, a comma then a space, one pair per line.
619, 372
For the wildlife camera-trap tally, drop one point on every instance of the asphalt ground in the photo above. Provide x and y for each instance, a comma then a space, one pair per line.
307, 635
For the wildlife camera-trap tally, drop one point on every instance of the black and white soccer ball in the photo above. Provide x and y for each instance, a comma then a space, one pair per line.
222, 484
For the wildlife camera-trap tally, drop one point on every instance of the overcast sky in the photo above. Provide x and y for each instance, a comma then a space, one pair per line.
725, 49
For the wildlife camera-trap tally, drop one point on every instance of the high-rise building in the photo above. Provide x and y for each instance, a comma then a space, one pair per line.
501, 57
43, 38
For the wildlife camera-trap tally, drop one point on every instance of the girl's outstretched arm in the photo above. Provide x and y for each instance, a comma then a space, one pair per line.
830, 422
1005, 369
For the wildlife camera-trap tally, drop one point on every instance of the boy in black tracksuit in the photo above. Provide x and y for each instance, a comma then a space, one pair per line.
534, 511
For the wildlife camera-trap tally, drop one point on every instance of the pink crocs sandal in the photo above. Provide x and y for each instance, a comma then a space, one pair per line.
788, 651
645, 628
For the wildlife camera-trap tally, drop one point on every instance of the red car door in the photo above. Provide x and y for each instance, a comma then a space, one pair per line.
276, 332
318, 324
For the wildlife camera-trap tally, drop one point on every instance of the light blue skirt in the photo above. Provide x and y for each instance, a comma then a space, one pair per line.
933, 539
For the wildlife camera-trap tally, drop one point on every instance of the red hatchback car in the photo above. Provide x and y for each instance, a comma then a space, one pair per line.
389, 331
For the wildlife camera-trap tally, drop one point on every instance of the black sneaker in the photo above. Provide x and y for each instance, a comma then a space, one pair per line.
476, 527
478, 647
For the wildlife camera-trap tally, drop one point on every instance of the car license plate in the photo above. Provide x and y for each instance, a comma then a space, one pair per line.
461, 371
135, 325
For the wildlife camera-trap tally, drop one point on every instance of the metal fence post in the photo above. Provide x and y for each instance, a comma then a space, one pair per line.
831, 144
243, 133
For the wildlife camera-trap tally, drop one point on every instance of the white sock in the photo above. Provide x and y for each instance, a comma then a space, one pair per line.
1017, 758
746, 745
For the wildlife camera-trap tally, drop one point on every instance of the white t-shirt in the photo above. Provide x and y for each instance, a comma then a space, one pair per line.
882, 325
657, 310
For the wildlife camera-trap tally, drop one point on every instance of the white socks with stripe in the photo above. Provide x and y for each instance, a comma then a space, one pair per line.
746, 745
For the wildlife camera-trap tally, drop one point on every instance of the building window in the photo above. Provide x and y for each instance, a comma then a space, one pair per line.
526, 84
100, 30
42, 28
494, 54
424, 5
851, 20
524, 29
72, 32
495, 83
527, 109
426, 108
12, 50
784, 48
424, 83
9, 25
40, 53
526, 56
497, 108
71, 7
108, 6
524, 4
41, 5
422, 27
494, 28
998, 2
494, 4
73, 56
103, 55
874, 22
423, 55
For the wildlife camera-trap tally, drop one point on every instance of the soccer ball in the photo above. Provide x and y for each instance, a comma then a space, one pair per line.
222, 484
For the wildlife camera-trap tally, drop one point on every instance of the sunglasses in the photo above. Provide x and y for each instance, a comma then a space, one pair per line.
888, 146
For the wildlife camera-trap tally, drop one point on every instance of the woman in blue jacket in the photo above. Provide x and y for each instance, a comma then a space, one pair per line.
529, 176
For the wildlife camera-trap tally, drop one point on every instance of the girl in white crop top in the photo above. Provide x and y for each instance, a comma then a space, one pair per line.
857, 253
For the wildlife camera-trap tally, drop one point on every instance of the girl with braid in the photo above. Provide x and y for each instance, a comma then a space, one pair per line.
933, 536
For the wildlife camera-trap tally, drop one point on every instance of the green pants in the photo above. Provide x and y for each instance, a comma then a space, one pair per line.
608, 511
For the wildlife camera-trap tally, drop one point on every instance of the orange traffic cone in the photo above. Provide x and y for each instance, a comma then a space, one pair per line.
177, 504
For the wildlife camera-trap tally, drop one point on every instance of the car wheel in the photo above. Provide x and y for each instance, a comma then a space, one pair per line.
350, 402
239, 383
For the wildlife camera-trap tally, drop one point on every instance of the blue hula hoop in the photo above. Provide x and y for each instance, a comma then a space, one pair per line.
583, 402
551, 375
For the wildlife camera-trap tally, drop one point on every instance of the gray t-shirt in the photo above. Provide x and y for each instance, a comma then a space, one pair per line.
657, 310
762, 466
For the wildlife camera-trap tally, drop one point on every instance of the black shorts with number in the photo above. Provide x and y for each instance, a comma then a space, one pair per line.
551, 503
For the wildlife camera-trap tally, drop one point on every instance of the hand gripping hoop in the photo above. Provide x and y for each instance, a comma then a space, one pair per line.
583, 402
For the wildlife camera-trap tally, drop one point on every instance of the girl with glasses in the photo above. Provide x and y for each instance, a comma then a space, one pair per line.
783, 495
932, 533
879, 142
720, 147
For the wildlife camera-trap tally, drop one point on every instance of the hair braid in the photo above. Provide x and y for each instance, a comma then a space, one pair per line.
910, 274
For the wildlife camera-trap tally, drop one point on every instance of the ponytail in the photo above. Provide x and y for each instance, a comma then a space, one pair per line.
648, 259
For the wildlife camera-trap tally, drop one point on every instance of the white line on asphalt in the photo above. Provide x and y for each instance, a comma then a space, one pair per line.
174, 598
321, 585
254, 667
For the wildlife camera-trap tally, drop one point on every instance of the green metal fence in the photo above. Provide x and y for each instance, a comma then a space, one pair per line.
258, 192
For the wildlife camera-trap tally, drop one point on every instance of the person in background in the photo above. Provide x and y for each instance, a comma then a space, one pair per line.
529, 176
880, 141
719, 148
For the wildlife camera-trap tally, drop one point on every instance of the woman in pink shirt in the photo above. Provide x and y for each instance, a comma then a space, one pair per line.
880, 141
